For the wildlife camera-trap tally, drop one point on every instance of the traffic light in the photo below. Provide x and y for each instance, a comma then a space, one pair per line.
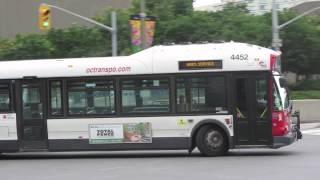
44, 17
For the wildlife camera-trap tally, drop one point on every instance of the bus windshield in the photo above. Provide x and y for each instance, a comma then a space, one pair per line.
281, 95
277, 105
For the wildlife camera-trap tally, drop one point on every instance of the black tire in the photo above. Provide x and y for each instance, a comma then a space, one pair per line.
212, 141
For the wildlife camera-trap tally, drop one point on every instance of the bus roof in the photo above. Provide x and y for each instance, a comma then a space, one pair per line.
210, 57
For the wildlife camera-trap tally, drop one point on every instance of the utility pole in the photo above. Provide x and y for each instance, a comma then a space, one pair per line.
112, 29
143, 16
276, 41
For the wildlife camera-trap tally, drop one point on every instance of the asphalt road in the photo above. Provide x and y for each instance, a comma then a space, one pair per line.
298, 161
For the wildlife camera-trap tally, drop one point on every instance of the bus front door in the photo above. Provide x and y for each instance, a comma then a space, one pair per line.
253, 124
31, 114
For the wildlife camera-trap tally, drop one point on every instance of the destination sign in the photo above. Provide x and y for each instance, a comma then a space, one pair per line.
203, 64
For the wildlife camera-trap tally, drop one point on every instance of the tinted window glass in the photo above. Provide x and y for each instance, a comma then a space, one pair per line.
242, 95
203, 94
145, 96
261, 98
32, 104
55, 95
91, 97
4, 98
277, 105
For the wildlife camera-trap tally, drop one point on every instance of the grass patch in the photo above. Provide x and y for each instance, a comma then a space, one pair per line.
308, 94
307, 85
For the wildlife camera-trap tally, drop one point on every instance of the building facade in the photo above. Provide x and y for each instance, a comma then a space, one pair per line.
21, 16
256, 6
307, 6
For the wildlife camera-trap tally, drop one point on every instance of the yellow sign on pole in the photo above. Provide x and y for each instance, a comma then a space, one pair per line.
44, 17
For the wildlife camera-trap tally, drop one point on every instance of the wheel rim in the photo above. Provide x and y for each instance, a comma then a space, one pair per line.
214, 139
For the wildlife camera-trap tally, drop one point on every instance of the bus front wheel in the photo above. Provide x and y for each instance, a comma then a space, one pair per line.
211, 141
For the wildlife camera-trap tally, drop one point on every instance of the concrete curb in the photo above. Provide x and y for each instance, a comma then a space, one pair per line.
309, 110
305, 126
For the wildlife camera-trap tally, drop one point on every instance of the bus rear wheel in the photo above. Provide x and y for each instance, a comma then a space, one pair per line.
211, 141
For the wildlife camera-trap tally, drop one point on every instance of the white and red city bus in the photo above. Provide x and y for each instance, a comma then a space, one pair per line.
214, 96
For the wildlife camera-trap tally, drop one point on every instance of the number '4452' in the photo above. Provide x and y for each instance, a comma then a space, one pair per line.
241, 57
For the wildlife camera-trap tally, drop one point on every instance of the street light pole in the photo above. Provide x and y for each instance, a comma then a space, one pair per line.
112, 29
143, 16
276, 41
114, 33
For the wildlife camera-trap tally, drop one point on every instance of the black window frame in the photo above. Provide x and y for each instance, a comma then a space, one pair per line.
117, 88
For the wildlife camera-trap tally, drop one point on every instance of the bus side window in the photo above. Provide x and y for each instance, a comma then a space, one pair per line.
91, 97
4, 98
201, 94
241, 107
261, 98
55, 98
145, 96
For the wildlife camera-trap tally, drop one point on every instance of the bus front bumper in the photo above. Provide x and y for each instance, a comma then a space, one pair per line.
280, 141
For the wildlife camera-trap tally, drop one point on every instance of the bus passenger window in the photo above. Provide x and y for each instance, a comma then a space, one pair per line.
241, 108
55, 98
145, 96
32, 104
203, 94
4, 98
91, 98
261, 98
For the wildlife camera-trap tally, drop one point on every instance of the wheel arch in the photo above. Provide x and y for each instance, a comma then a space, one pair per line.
213, 122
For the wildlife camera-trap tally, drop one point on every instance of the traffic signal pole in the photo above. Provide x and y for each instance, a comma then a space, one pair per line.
276, 41
112, 29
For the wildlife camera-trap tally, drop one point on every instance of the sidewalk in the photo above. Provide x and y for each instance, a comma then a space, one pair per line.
305, 126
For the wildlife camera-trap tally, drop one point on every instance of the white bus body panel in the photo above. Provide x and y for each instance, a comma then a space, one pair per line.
166, 58
155, 60
73, 67
164, 126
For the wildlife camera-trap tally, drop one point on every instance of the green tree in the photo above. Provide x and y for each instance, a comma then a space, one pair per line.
164, 9
178, 23
124, 31
77, 41
28, 47
301, 44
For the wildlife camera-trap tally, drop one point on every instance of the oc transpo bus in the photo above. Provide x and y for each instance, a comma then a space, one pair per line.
214, 96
